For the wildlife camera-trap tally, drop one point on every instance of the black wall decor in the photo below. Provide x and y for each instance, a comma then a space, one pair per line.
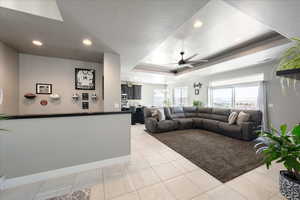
85, 96
85, 105
43, 88
84, 79
197, 87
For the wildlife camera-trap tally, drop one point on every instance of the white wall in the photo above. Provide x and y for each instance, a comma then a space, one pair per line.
9, 70
61, 74
283, 104
42, 144
147, 95
112, 82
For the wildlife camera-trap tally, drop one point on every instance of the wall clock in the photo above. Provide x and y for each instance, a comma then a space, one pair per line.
84, 79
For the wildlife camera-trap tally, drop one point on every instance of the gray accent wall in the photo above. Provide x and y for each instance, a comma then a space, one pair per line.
9, 84
283, 104
43, 144
61, 74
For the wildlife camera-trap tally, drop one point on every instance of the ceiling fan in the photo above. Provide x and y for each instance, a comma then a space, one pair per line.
188, 62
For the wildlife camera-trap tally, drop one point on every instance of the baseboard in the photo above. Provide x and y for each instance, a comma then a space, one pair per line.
33, 178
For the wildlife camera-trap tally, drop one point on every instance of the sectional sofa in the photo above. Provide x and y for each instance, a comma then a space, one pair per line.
212, 119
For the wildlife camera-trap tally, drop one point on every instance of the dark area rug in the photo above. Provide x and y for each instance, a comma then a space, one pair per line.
223, 157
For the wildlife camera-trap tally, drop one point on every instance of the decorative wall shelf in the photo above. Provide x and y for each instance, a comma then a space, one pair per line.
29, 96
290, 73
55, 96
75, 97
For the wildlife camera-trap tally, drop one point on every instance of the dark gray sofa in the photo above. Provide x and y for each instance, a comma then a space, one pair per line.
212, 119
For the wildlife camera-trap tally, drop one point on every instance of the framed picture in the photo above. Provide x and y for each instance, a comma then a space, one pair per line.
85, 96
43, 88
84, 79
85, 105
197, 91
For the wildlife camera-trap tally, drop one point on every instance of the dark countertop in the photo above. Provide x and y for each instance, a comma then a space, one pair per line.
66, 115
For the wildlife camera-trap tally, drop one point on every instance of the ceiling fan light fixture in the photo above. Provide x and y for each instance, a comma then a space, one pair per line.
198, 24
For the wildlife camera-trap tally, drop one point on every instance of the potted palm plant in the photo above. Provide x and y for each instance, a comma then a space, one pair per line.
283, 146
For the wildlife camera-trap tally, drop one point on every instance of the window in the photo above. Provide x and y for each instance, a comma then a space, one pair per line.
238, 97
246, 97
222, 97
159, 96
180, 96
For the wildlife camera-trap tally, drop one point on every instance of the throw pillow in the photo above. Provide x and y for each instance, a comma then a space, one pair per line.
156, 114
232, 118
242, 117
162, 112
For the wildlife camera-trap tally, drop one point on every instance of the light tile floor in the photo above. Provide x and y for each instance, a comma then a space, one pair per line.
154, 172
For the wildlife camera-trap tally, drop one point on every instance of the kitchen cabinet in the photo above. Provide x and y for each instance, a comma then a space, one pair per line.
132, 92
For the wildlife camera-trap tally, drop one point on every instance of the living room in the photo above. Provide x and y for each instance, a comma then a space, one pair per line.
147, 100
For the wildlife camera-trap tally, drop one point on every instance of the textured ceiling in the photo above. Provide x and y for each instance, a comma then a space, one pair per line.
131, 28
45, 8
223, 27
280, 15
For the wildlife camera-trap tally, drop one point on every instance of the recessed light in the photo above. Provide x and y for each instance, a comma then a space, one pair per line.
87, 42
198, 24
37, 43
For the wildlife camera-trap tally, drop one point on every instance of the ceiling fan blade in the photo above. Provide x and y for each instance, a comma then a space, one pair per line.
175, 63
191, 57
198, 61
186, 65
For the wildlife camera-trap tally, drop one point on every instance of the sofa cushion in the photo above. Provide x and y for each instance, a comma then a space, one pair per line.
190, 111
177, 115
204, 115
242, 117
211, 125
177, 112
255, 115
185, 123
204, 110
221, 111
232, 118
167, 125
197, 123
162, 114
230, 130
156, 114
222, 118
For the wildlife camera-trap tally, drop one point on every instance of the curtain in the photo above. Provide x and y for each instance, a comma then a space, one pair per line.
263, 104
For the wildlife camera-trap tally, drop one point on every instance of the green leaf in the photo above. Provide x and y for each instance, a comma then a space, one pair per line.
296, 130
292, 163
283, 129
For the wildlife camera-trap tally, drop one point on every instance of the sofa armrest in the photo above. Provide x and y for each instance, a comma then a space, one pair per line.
151, 124
249, 131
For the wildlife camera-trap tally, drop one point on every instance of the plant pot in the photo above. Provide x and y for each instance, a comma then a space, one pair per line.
289, 187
